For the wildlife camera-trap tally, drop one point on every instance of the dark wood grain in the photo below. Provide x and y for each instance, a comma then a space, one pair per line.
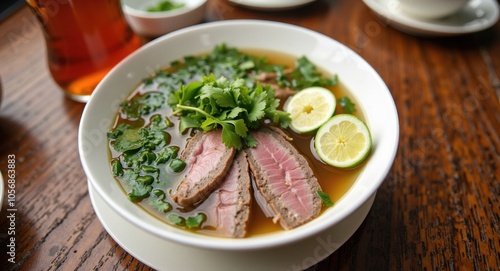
438, 208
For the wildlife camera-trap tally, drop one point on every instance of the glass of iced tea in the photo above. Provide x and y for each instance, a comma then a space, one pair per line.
85, 39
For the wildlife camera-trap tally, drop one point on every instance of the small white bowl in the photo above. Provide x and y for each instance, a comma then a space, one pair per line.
431, 9
371, 93
157, 23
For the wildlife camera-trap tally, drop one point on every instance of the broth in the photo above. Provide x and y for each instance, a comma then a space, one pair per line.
333, 181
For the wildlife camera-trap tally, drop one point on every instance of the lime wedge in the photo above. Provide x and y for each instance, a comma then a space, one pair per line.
344, 141
310, 108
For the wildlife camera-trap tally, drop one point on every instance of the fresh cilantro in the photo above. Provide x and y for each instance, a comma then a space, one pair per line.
191, 222
250, 142
186, 123
229, 62
306, 75
195, 221
126, 138
177, 165
143, 150
165, 6
129, 139
159, 201
160, 205
147, 157
139, 191
145, 179
116, 167
130, 175
347, 105
176, 219
230, 105
150, 169
132, 159
167, 154
117, 131
140, 186
325, 198
303, 75
142, 105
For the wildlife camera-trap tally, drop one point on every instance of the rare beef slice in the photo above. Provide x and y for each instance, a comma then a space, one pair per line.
284, 178
230, 203
207, 161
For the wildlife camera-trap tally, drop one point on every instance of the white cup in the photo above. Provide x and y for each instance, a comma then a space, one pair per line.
431, 9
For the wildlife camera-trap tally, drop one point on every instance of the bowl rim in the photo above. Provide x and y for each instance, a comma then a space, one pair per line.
257, 242
131, 11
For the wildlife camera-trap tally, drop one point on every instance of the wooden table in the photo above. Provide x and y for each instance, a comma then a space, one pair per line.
438, 208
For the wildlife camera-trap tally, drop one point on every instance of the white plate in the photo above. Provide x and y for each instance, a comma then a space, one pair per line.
161, 254
476, 16
271, 4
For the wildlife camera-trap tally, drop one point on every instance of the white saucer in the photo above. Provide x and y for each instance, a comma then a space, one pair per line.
476, 16
165, 255
271, 5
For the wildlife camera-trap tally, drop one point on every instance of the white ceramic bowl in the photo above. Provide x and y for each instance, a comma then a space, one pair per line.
431, 9
154, 24
371, 93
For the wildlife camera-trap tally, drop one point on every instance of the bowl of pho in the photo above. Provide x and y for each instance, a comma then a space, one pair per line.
239, 136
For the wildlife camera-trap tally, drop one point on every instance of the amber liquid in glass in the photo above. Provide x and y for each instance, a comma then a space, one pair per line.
84, 40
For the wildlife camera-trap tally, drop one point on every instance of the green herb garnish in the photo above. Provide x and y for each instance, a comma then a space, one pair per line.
347, 105
177, 165
325, 198
143, 150
167, 154
116, 167
139, 191
306, 75
159, 201
165, 6
195, 221
230, 105
191, 222
176, 219
142, 105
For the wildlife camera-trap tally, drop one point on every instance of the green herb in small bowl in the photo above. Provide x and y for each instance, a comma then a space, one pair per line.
165, 6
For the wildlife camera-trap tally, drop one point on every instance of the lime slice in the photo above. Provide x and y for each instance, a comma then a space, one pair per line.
344, 141
310, 108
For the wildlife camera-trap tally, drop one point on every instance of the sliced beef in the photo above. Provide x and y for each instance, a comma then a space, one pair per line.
207, 160
284, 178
229, 206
